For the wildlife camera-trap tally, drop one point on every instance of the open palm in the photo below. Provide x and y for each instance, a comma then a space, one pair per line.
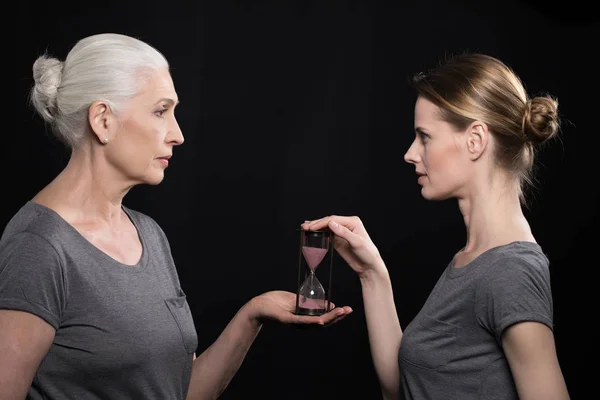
280, 305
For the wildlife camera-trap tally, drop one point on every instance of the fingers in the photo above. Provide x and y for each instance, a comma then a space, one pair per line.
335, 321
345, 233
349, 228
349, 222
333, 316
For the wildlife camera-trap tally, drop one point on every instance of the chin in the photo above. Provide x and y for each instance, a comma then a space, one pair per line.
155, 179
433, 196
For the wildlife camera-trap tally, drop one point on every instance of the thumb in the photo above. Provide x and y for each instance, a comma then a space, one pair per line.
352, 238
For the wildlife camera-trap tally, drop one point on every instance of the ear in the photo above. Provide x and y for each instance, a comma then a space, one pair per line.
101, 120
477, 139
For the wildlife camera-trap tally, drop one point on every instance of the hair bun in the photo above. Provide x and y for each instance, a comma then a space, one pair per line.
47, 74
541, 120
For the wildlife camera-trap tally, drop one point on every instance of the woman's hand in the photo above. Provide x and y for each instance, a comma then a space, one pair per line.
279, 306
352, 241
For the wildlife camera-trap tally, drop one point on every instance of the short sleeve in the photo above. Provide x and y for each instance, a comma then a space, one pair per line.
31, 277
514, 290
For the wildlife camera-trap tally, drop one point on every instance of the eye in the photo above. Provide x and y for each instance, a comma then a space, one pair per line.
160, 112
424, 137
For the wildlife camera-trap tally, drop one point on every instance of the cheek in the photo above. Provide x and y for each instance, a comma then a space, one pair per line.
144, 138
434, 158
442, 160
140, 144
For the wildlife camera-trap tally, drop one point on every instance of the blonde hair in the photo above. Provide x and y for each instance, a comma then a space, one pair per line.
470, 87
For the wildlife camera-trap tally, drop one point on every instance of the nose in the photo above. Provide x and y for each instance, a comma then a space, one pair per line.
412, 154
175, 136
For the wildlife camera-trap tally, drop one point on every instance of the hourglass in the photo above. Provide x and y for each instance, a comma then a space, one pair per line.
315, 255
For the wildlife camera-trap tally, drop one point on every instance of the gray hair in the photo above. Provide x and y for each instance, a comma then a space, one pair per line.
107, 67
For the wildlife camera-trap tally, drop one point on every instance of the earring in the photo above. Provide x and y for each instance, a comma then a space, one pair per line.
105, 140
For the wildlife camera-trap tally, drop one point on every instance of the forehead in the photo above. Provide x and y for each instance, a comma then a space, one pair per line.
156, 85
425, 110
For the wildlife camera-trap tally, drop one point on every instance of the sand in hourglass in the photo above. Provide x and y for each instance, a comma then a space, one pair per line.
312, 292
313, 256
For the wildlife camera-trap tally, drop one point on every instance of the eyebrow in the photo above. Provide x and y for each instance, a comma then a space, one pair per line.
420, 130
167, 100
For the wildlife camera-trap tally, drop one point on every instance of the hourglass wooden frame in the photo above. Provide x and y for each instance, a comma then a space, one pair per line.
325, 267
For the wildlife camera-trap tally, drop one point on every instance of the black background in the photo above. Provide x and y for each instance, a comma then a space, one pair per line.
294, 110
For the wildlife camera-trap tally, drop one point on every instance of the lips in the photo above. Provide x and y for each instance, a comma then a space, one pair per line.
164, 160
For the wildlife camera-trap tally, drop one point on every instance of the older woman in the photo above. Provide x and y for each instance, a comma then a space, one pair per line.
90, 301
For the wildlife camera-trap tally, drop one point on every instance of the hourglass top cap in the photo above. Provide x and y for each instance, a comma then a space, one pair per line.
324, 231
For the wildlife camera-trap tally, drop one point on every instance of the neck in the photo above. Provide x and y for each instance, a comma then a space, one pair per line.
493, 215
88, 189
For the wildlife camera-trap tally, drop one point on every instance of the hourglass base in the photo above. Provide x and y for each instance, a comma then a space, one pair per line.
309, 311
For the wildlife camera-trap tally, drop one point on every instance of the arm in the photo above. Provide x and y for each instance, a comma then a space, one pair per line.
384, 330
353, 243
215, 367
24, 341
32, 297
531, 354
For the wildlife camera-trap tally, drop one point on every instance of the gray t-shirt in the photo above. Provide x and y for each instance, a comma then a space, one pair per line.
452, 348
122, 332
